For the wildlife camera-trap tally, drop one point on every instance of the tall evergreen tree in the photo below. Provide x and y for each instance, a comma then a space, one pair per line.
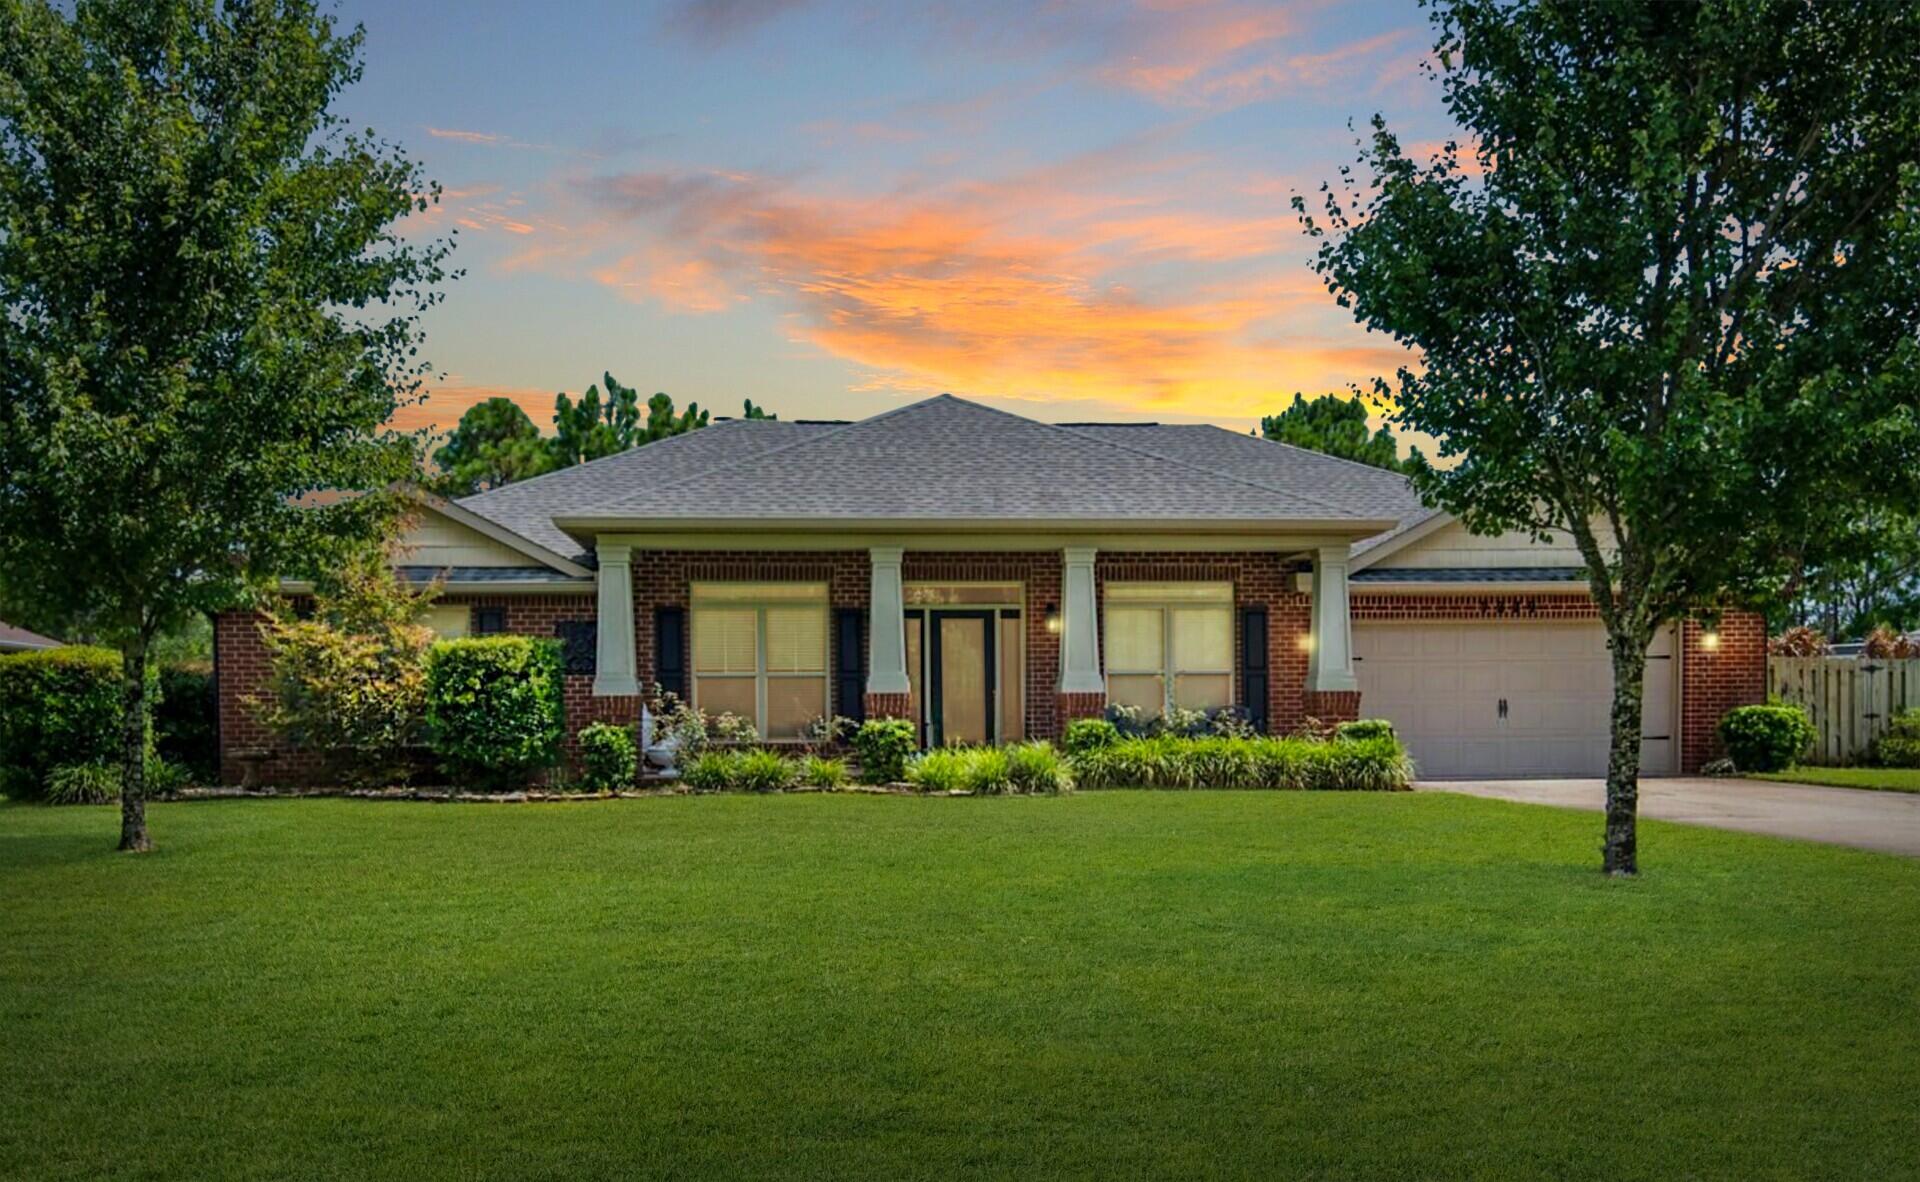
1336, 426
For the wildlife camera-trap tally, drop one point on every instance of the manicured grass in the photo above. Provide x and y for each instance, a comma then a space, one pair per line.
1104, 985
1880, 779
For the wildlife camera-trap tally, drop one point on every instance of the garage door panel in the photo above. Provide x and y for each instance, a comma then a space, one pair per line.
1441, 684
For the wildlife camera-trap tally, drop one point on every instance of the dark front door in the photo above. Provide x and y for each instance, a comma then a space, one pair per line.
960, 677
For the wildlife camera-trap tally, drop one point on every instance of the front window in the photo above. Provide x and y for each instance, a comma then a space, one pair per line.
760, 651
1169, 645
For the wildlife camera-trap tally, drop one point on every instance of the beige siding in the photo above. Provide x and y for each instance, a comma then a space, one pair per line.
1452, 546
437, 540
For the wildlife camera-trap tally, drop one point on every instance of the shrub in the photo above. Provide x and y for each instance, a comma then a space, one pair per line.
884, 745
1376, 764
1766, 738
1086, 734
1365, 728
350, 682
57, 706
1036, 769
608, 759
761, 770
185, 720
943, 769
1718, 768
710, 771
99, 783
820, 771
1900, 746
494, 711
83, 783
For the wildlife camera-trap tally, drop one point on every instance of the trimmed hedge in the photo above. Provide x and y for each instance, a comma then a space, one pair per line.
609, 759
1085, 734
1376, 764
884, 746
58, 706
1364, 728
1768, 738
185, 720
494, 708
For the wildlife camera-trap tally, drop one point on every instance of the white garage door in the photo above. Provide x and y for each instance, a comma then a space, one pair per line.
1507, 699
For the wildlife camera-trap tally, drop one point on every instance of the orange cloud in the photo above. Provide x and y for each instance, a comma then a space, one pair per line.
997, 290
445, 403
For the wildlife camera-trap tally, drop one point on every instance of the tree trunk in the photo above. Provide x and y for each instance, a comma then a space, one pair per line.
133, 748
1619, 855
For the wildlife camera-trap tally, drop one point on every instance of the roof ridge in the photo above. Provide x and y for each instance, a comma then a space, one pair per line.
1321, 455
737, 461
1310, 499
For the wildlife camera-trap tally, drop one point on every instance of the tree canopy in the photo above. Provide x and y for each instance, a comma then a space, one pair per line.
497, 443
1336, 426
209, 317
1666, 300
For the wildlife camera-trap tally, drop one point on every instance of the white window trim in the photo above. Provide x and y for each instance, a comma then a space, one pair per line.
1169, 671
761, 675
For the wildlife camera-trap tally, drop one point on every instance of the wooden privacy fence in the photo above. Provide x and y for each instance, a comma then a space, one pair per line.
1851, 699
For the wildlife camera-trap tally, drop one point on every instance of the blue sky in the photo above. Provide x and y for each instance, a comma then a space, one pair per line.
1070, 210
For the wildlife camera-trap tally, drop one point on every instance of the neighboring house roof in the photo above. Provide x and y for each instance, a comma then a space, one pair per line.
13, 640
461, 575
946, 460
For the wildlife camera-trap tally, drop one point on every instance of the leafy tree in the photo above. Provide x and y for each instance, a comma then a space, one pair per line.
495, 444
1336, 426
1673, 306
1869, 578
208, 316
756, 412
349, 680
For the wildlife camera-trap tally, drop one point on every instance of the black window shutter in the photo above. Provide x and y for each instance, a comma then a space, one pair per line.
850, 663
1254, 672
579, 644
670, 650
489, 621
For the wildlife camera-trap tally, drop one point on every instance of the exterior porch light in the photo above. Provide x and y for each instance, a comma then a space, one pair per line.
1053, 618
1304, 642
1710, 641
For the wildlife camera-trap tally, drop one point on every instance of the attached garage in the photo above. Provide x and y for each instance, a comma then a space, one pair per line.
1508, 698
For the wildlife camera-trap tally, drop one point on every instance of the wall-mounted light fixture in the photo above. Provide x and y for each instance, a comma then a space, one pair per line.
1305, 642
1710, 641
1053, 618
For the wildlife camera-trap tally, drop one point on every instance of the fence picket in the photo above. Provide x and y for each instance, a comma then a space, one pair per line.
1851, 700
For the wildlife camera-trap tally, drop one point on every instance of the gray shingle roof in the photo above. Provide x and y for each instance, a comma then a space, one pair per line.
517, 575
948, 459
529, 507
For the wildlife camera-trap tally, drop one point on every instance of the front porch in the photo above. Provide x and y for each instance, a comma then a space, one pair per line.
979, 645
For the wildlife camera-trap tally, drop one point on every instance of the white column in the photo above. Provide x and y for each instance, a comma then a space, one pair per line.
1079, 625
1330, 661
886, 625
613, 655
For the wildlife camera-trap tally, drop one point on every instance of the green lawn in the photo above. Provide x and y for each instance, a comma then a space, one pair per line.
1105, 985
1880, 779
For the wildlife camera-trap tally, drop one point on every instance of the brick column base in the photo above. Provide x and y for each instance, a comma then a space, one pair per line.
1073, 706
889, 706
1331, 705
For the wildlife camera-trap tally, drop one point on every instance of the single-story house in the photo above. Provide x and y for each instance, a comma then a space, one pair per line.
992, 577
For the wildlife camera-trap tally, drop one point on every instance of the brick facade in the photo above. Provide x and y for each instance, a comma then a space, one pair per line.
1713, 681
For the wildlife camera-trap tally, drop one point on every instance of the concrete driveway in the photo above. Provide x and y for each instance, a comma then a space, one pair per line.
1885, 821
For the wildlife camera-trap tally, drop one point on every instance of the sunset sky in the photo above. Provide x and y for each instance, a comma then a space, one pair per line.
1071, 210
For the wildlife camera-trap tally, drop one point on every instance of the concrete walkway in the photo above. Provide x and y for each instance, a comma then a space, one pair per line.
1885, 821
